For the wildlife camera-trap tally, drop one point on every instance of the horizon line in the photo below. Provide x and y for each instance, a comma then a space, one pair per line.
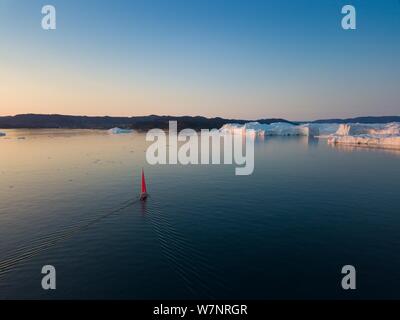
194, 116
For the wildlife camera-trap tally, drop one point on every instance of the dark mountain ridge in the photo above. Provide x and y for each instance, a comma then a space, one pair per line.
48, 121
34, 121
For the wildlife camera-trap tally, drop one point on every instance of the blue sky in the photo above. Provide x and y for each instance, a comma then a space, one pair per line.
232, 58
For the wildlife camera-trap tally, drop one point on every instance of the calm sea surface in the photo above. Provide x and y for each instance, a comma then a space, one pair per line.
68, 198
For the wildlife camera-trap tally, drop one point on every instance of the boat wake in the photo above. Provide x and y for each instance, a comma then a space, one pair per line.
43, 243
184, 258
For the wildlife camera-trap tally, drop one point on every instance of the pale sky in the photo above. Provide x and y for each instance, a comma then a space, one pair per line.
228, 58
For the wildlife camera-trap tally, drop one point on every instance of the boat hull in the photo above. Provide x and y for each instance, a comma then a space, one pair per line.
143, 196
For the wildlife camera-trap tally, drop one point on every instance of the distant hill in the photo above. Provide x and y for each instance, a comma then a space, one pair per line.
48, 121
385, 119
34, 121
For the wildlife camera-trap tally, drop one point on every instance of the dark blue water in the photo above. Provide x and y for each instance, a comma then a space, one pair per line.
69, 199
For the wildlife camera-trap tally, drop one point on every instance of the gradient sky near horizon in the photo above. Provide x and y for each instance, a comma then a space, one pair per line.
231, 58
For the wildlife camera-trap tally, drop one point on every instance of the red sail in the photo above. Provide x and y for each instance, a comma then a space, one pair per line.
144, 190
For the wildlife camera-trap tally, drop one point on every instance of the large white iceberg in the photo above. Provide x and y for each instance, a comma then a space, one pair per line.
326, 129
390, 128
373, 129
119, 131
384, 141
352, 129
273, 129
374, 135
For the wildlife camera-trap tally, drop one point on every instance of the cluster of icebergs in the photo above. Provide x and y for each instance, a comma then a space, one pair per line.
380, 135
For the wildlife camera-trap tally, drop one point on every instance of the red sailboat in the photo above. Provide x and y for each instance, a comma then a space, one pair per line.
143, 194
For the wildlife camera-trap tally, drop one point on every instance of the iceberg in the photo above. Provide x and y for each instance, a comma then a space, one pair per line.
273, 129
309, 130
387, 129
326, 129
119, 131
373, 135
383, 141
373, 129
352, 129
